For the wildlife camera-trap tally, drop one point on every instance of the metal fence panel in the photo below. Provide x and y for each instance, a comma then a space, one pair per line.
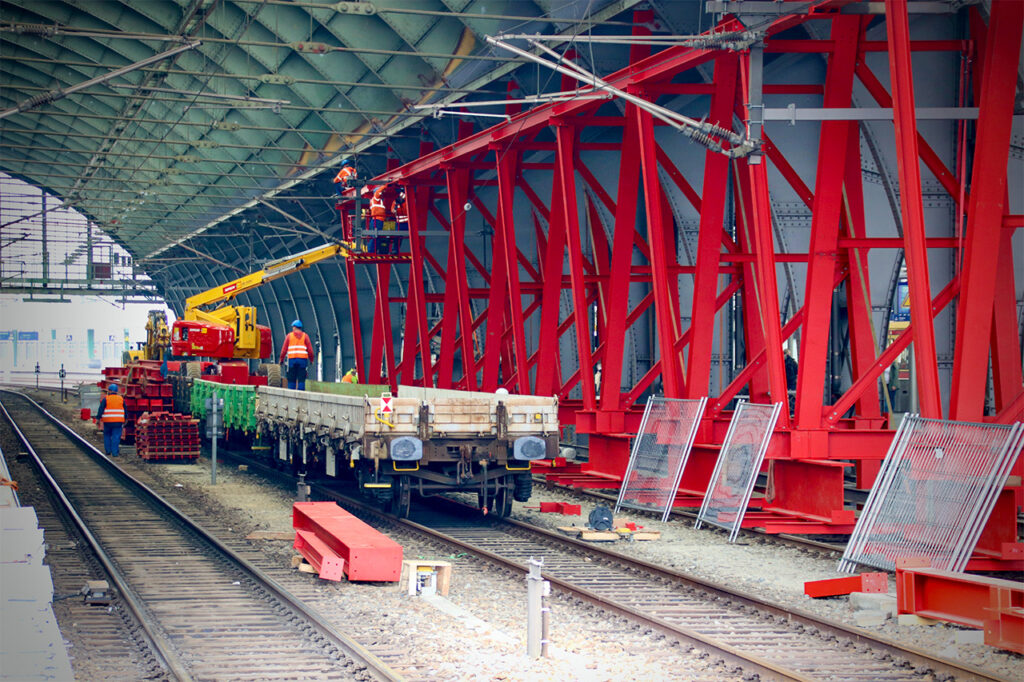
732, 481
659, 454
934, 493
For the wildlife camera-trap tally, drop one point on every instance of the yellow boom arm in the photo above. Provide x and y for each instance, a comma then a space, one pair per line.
270, 272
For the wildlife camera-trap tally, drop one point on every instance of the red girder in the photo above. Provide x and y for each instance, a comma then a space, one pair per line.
610, 255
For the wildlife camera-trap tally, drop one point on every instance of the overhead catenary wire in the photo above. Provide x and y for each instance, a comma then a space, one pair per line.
700, 131
60, 93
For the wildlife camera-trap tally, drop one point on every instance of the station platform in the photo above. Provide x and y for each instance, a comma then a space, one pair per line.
31, 645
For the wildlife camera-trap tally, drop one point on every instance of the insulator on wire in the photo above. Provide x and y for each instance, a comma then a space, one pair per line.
700, 137
719, 131
35, 30
39, 100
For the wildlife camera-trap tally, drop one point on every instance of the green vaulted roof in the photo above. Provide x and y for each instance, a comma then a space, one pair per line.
200, 108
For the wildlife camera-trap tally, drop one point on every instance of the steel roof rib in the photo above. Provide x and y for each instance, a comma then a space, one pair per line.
150, 172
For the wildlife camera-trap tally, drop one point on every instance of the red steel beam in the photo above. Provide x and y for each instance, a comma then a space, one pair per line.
709, 243
622, 255
666, 306
826, 211
985, 211
897, 26
564, 165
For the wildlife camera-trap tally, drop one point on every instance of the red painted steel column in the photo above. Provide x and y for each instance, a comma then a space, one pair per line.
496, 315
767, 284
826, 213
1007, 377
508, 163
417, 308
564, 158
753, 329
863, 346
904, 118
985, 210
548, 356
709, 239
602, 261
456, 295
665, 309
353, 306
380, 338
622, 258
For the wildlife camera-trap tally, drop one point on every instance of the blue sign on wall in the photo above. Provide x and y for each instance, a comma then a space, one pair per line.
5, 336
28, 336
901, 312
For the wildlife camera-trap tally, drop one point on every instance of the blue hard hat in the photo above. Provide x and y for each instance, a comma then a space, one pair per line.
112, 388
346, 162
297, 323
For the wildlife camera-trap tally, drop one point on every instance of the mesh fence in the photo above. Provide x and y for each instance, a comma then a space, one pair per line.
732, 481
659, 454
934, 493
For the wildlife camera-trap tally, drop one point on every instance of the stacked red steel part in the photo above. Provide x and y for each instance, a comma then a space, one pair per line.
990, 604
484, 330
337, 544
143, 388
167, 435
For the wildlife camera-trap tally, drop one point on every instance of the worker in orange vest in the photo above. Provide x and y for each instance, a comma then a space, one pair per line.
298, 351
111, 415
400, 209
346, 176
350, 377
378, 212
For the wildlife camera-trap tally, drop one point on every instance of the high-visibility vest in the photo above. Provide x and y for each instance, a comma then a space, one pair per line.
344, 174
401, 211
349, 379
113, 409
377, 211
296, 342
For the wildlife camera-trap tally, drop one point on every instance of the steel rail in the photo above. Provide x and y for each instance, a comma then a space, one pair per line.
727, 652
883, 646
160, 646
766, 669
915, 656
374, 666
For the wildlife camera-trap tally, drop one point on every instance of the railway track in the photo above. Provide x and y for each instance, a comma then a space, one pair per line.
765, 639
745, 632
762, 638
207, 613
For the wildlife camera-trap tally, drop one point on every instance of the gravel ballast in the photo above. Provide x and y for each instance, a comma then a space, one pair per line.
588, 644
409, 633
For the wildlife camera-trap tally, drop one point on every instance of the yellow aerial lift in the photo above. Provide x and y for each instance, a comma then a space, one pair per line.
229, 332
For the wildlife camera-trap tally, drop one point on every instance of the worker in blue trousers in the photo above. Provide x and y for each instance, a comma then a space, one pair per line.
298, 350
111, 415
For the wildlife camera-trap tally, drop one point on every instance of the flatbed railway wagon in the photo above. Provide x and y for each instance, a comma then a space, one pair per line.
422, 440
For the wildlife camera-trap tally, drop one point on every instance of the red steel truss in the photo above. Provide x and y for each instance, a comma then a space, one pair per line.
484, 346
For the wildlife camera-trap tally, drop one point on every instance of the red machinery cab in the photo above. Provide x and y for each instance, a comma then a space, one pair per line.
192, 338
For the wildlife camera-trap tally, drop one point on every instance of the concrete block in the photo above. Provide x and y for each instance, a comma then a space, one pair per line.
867, 619
25, 583
969, 636
18, 518
868, 601
913, 619
22, 546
